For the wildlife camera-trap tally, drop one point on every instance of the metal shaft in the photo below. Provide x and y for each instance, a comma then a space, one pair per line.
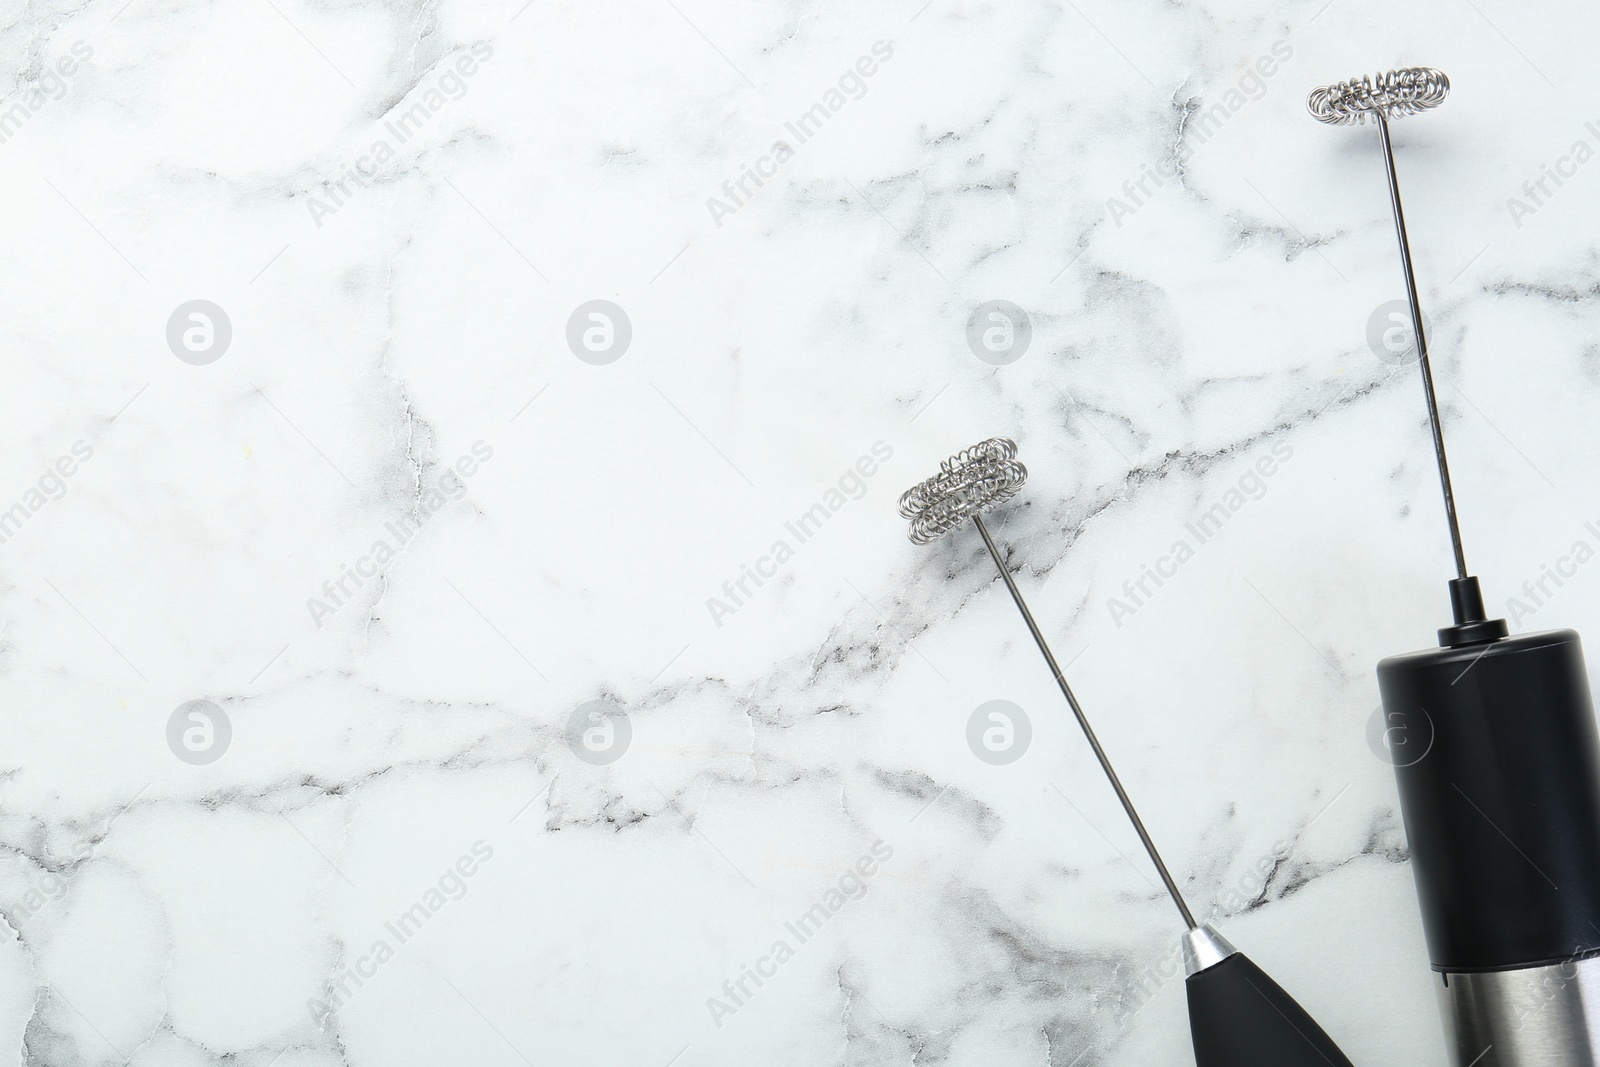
1083, 721
1422, 348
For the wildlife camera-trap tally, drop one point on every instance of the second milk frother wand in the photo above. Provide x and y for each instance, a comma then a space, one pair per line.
1500, 786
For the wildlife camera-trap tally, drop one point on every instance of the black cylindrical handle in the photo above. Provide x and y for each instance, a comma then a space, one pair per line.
1239, 1017
1500, 791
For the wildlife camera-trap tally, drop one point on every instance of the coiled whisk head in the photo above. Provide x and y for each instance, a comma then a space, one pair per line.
1392, 94
968, 484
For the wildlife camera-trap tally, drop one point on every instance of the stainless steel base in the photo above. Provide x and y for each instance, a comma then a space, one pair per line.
1536, 1017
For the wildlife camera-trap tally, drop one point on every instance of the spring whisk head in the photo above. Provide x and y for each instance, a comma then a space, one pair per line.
968, 484
1392, 94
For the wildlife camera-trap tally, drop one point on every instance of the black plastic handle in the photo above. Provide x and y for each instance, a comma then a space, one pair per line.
1239, 1017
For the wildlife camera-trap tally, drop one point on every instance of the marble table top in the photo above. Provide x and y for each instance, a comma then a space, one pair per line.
454, 604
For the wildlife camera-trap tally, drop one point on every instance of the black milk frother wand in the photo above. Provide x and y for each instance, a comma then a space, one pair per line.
1238, 1017
1502, 806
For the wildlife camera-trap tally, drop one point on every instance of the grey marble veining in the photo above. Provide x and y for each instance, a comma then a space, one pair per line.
580, 700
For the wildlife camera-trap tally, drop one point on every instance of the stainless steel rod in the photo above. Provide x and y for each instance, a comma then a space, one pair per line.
1422, 348
1083, 722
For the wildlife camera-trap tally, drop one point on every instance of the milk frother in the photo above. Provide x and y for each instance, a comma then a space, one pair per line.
1238, 1017
1500, 778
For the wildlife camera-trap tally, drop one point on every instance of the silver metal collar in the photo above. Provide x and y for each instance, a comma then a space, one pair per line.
1203, 947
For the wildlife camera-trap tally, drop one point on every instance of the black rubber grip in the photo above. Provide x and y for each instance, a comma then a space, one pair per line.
1239, 1017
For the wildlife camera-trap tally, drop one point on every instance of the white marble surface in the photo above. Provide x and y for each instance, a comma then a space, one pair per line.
163, 912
